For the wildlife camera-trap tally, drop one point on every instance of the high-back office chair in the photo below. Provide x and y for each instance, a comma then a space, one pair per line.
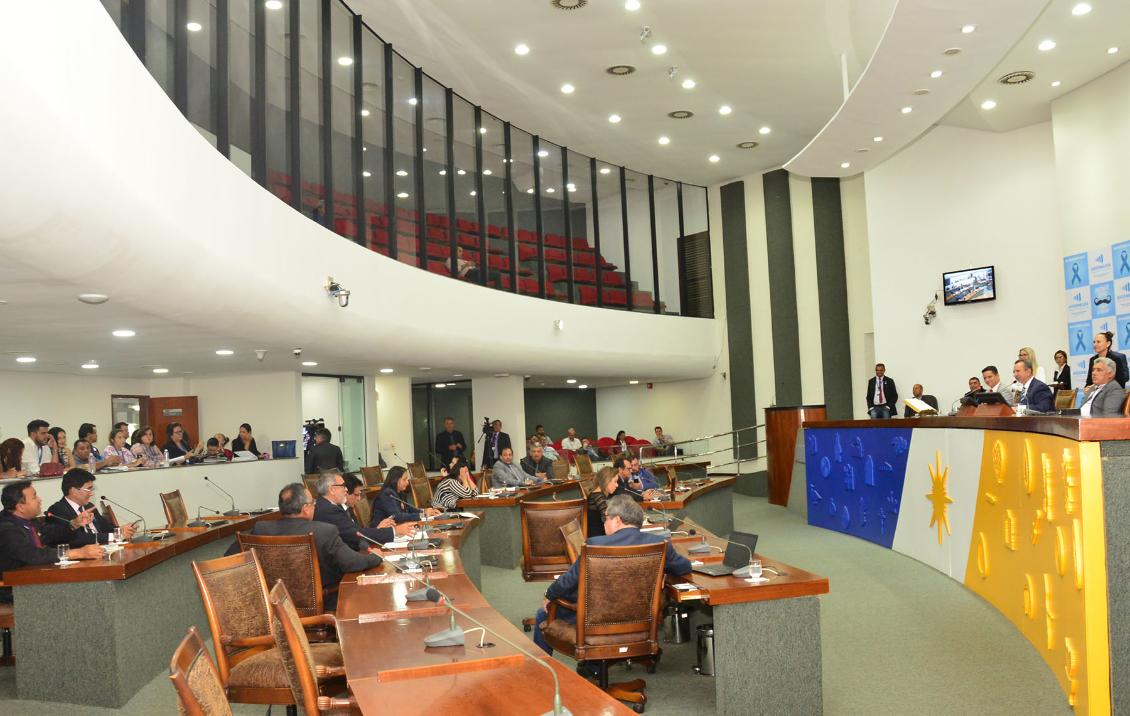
931, 401
485, 479
1065, 399
583, 462
574, 536
544, 555
194, 676
560, 470
373, 476
421, 491
1126, 404
363, 511
108, 512
293, 559
617, 610
416, 469
176, 514
586, 483
310, 479
302, 669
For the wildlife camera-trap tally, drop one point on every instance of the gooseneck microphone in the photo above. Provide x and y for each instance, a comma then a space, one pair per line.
198, 522
232, 512
139, 537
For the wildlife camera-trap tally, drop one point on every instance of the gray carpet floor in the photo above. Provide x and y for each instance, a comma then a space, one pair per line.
898, 638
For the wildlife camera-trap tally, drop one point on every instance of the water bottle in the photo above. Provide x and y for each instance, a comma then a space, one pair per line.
166, 462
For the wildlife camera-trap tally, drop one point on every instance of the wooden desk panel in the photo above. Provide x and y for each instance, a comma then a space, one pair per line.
1072, 428
700, 489
389, 599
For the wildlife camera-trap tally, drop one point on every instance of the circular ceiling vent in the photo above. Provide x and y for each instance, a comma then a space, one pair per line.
747, 145
952, 51
620, 70
681, 114
1017, 78
568, 4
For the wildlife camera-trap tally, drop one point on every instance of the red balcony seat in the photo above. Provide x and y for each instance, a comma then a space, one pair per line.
345, 227
555, 241
557, 255
612, 278
527, 237
527, 253
467, 225
437, 220
438, 267
495, 232
470, 241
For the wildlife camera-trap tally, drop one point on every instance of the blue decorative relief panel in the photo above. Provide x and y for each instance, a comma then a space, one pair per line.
854, 480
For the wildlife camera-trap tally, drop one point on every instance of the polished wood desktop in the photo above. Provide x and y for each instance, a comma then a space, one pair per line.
708, 501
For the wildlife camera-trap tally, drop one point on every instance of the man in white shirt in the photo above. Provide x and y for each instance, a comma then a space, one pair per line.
572, 442
994, 384
664, 442
36, 449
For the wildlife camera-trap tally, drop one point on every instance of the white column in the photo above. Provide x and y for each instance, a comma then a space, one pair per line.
501, 398
393, 400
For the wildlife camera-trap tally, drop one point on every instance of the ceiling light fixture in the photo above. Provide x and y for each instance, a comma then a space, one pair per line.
441, 385
543, 153
90, 366
664, 140
461, 172
473, 192
309, 363
160, 371
345, 61
550, 190
764, 130
688, 83
225, 352
582, 386
571, 381
194, 27
571, 186
412, 101
567, 88
521, 49
273, 4
482, 130
714, 158
725, 109
968, 29
633, 382
487, 172
386, 370
93, 298
123, 333
605, 170
402, 195
632, 5
614, 118
845, 165
443, 172
401, 173
366, 173
1046, 45
529, 191
989, 104
659, 49
907, 110
365, 113
1112, 50
1080, 9
25, 359
1056, 83
876, 139
935, 74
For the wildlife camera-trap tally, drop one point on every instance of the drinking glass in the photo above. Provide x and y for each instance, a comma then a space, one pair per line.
755, 569
117, 534
61, 551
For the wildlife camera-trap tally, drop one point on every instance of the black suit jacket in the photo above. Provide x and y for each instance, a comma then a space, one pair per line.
445, 441
1121, 372
496, 443
1039, 396
325, 456
528, 466
17, 549
566, 585
55, 532
1063, 377
889, 392
347, 527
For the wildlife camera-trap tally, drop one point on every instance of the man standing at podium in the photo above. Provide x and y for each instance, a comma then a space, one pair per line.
882, 396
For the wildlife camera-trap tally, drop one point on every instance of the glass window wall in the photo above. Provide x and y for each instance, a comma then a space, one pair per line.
314, 199
498, 240
342, 66
200, 26
241, 82
280, 180
639, 242
579, 191
466, 183
553, 193
666, 193
610, 221
525, 209
373, 144
436, 233
404, 161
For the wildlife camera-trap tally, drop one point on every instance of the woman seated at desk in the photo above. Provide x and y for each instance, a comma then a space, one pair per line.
456, 485
391, 502
607, 481
11, 457
245, 441
178, 444
118, 448
145, 447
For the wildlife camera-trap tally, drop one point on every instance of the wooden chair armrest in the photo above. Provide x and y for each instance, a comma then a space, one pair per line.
563, 603
319, 620
329, 703
328, 672
263, 640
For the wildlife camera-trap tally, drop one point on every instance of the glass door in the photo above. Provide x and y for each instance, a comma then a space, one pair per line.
352, 391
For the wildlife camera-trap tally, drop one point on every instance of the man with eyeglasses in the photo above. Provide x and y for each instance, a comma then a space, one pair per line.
74, 520
332, 507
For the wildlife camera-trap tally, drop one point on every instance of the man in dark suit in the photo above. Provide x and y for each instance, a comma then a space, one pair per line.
622, 521
882, 396
1034, 393
20, 541
324, 455
332, 507
335, 558
449, 443
74, 520
537, 465
497, 441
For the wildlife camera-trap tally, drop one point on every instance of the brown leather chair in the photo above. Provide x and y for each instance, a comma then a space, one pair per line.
544, 555
583, 463
618, 612
311, 482
574, 536
363, 510
373, 476
1065, 399
108, 513
586, 483
302, 669
196, 680
1126, 404
176, 514
293, 559
421, 491
416, 469
559, 470
234, 592
485, 480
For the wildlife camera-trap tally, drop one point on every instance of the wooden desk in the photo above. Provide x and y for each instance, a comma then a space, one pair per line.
501, 524
709, 502
132, 608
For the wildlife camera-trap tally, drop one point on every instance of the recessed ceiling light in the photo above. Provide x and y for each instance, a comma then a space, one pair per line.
482, 130
25, 359
688, 83
487, 172
1081, 8
582, 386
543, 153
440, 385
725, 109
521, 49
633, 382
862, 150
845, 165
989, 104
123, 333
659, 49
365, 113
1046, 45
968, 29
764, 130
273, 4
876, 139
632, 5
571, 381
425, 367
450, 385
412, 101
550, 190
456, 375
1112, 50
345, 61
93, 298
386, 370
1056, 83
309, 363
529, 191
664, 140
160, 371
402, 195
907, 110
614, 118
605, 170
714, 158
401, 173
473, 192
571, 186
443, 172
567, 88
366, 173
936, 74
90, 366
461, 172
225, 352
194, 27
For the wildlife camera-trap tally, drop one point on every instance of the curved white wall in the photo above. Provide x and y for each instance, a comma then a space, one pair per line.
104, 177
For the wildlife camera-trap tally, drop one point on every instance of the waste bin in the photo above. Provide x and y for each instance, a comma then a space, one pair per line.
705, 650
677, 625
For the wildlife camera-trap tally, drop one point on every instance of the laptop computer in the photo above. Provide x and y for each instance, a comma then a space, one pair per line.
736, 557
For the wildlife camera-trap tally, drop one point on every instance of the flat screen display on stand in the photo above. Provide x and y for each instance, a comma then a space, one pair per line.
969, 285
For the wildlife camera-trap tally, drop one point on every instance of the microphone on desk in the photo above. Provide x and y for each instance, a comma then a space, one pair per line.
741, 572
139, 537
232, 512
425, 593
198, 522
397, 456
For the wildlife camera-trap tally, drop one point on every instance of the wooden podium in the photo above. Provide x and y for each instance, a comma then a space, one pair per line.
781, 425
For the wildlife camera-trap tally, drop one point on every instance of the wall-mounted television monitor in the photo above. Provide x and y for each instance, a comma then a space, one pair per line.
969, 285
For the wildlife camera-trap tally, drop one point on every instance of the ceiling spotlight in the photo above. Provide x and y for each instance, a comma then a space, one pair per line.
1080, 9
605, 170
989, 104
160, 371
487, 172
273, 4
567, 88
664, 140
123, 333
456, 375
529, 191
441, 385
550, 190
845, 165
450, 385
461, 172
571, 381
401, 173
968, 29
443, 172
90, 365
543, 153
907, 110
688, 83
659, 49
366, 173
935, 74
582, 386
365, 113
571, 186
764, 130
25, 359
93, 298
521, 49
876, 139
614, 118
194, 27
345, 61
482, 130
386, 370
402, 195
225, 352
714, 158
633, 382
309, 363
1056, 83
632, 5
725, 109
412, 101
473, 192
1046, 45
1112, 50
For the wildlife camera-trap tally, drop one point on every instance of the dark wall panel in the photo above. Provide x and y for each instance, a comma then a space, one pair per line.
831, 286
558, 410
739, 323
782, 288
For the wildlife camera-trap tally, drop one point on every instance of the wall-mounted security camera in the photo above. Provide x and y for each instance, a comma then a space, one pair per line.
337, 292
260, 354
931, 311
645, 34
297, 352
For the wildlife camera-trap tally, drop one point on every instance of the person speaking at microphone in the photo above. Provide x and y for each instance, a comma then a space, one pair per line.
74, 520
391, 502
623, 519
21, 543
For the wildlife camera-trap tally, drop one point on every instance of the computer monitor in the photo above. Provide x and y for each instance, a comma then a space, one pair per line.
988, 398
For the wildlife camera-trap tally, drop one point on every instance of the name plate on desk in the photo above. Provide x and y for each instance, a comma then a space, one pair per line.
392, 578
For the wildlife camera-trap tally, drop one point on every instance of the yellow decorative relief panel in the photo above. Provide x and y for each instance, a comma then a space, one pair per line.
1051, 584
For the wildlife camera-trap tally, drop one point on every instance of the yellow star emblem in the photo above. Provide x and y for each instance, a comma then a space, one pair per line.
938, 496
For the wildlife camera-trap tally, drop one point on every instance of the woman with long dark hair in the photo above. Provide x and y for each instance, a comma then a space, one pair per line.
392, 500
